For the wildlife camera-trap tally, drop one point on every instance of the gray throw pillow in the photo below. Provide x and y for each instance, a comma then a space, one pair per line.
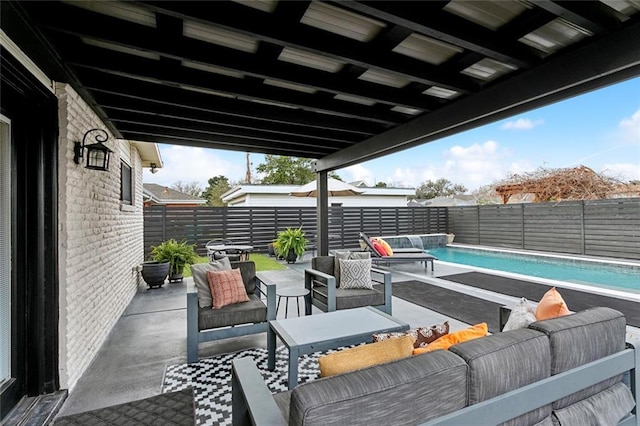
346, 255
356, 274
199, 273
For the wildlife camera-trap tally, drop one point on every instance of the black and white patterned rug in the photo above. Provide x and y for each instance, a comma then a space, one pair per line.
210, 379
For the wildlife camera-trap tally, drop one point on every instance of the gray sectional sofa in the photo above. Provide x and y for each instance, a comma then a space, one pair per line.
573, 370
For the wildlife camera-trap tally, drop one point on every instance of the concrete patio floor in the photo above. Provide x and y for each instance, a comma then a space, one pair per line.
151, 334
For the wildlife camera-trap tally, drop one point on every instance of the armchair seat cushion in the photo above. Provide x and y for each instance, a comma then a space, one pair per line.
352, 298
252, 311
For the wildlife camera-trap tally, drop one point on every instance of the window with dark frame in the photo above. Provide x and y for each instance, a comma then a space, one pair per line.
126, 192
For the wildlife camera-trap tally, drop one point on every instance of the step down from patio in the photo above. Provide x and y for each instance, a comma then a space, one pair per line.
36, 410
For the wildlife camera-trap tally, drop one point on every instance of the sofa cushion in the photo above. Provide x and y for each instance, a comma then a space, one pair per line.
199, 273
363, 356
324, 264
552, 305
604, 408
248, 312
346, 255
355, 274
506, 361
408, 391
227, 288
474, 332
421, 336
581, 338
347, 299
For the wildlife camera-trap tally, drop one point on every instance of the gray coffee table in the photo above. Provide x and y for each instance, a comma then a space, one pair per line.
321, 332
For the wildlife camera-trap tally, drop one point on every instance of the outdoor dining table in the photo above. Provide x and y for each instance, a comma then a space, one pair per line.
244, 250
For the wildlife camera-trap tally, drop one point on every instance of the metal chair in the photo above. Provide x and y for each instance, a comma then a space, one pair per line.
326, 295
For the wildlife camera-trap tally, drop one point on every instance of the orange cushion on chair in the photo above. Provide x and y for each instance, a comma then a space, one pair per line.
386, 246
379, 248
444, 342
552, 305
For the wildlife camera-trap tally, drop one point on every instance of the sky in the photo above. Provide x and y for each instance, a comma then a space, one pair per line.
600, 130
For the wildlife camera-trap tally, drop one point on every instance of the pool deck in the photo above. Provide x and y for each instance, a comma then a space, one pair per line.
151, 334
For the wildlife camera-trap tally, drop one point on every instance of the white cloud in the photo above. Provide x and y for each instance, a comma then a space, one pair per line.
357, 172
521, 124
622, 171
472, 166
630, 127
189, 164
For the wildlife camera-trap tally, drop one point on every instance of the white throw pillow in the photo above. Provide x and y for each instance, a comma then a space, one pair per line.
355, 274
346, 255
521, 316
199, 273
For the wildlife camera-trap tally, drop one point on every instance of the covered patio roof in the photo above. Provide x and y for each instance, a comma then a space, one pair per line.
341, 82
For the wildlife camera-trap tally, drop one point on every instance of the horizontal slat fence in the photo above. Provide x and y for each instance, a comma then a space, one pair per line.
596, 228
258, 226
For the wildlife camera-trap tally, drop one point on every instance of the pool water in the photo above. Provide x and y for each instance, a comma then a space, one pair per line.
575, 271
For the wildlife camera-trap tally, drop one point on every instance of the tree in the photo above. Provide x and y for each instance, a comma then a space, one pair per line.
381, 185
282, 170
191, 188
218, 185
440, 188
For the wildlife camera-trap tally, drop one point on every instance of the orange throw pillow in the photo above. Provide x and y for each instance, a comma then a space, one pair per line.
444, 342
386, 246
226, 287
363, 356
551, 305
379, 248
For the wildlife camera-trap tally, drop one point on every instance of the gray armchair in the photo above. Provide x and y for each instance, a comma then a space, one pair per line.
206, 324
326, 295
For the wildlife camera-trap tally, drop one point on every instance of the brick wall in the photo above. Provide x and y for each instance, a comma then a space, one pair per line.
100, 241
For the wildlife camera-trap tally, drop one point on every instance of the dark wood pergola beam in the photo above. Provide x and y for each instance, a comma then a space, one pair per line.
130, 90
287, 33
76, 22
125, 118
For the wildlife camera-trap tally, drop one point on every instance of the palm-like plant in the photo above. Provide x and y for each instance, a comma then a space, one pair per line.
290, 240
178, 254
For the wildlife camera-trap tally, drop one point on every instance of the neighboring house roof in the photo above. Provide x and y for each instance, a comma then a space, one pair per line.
283, 192
161, 194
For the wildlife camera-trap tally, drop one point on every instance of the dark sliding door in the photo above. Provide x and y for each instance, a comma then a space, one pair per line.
28, 228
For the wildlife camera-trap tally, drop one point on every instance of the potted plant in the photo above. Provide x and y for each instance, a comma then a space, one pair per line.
290, 244
154, 273
178, 254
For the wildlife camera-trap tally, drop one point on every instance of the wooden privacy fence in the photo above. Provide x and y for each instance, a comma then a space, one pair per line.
597, 228
258, 226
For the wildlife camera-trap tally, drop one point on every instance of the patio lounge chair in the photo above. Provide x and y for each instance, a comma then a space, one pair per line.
205, 324
326, 295
399, 255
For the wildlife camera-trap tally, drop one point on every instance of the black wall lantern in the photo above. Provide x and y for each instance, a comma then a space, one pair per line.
97, 153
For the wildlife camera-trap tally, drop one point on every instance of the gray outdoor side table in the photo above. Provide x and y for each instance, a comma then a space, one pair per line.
331, 330
288, 293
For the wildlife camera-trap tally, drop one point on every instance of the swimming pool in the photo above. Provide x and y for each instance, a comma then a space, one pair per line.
621, 277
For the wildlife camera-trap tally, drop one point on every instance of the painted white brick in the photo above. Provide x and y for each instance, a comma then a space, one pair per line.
98, 243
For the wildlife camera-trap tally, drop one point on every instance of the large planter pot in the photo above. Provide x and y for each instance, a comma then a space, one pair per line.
154, 273
176, 275
291, 257
270, 250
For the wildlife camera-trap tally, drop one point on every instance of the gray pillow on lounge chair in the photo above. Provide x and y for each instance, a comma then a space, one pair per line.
199, 272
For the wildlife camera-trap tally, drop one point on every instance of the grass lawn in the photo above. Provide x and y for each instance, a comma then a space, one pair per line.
262, 261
